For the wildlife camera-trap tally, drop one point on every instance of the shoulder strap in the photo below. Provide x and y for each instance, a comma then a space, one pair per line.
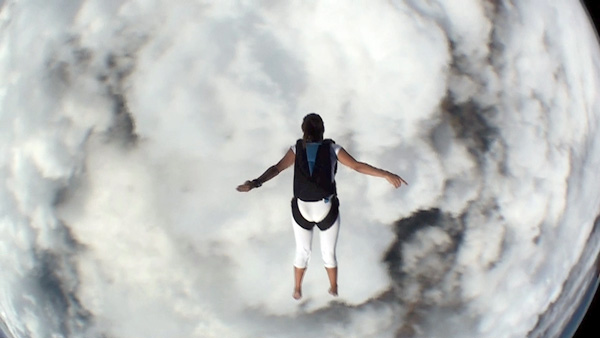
299, 146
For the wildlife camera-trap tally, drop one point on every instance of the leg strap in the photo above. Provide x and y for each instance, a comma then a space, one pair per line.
325, 224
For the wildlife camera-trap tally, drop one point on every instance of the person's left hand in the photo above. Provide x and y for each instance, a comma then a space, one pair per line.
395, 180
247, 186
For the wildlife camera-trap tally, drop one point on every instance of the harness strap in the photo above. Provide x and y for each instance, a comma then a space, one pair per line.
325, 224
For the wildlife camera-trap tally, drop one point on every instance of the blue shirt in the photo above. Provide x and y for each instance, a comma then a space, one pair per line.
311, 154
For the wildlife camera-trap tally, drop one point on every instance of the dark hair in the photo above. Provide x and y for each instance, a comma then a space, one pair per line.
313, 128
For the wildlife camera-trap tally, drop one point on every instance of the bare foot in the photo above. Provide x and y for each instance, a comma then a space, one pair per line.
297, 294
333, 291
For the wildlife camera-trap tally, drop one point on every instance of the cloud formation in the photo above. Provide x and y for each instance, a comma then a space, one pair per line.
125, 133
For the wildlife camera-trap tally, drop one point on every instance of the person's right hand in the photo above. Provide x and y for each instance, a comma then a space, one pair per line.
395, 180
247, 186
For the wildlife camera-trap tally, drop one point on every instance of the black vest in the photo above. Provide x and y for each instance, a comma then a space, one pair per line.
321, 183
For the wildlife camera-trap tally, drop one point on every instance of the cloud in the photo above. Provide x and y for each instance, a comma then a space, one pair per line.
125, 134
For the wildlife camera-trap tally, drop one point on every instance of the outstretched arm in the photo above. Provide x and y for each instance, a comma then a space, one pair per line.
367, 169
287, 160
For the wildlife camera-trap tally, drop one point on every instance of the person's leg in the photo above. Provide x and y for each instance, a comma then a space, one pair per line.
328, 239
298, 276
312, 212
303, 239
332, 274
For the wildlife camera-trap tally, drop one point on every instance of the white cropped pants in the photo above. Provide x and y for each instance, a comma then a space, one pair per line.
315, 212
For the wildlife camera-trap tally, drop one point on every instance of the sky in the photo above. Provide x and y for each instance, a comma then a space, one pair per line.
127, 129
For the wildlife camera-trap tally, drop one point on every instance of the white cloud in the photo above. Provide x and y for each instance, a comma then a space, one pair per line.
489, 113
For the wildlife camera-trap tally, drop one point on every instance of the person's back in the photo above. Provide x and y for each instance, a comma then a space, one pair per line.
314, 170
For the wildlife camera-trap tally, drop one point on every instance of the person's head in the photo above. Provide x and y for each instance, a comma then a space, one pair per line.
313, 128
